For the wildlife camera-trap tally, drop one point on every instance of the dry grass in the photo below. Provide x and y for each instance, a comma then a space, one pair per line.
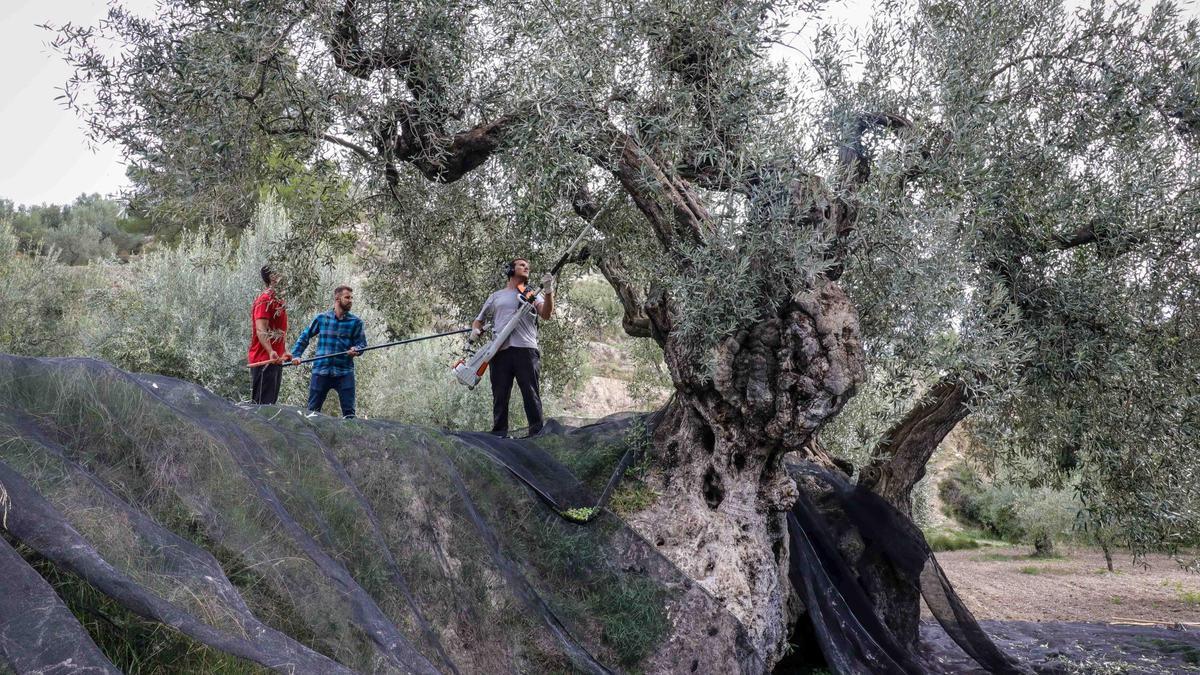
5, 504
1009, 585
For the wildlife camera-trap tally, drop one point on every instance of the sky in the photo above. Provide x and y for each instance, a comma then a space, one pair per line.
46, 155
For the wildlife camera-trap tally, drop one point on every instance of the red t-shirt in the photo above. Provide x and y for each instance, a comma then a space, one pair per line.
268, 306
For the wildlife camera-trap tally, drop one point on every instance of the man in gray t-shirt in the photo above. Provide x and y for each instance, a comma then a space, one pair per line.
518, 358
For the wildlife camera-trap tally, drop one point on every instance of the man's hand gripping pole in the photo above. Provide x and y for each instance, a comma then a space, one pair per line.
470, 369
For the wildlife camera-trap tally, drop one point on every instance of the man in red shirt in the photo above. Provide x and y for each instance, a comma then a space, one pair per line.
268, 333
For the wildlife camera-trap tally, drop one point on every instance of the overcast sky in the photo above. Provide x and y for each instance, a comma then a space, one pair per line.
46, 157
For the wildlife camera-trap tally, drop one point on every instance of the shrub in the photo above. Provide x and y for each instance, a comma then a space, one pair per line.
598, 309
48, 294
79, 242
413, 384
950, 541
1037, 516
185, 311
90, 228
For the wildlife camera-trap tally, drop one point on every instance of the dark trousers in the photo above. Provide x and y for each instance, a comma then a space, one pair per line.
319, 386
523, 365
264, 383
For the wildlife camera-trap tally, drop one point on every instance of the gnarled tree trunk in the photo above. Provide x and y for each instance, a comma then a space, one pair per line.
777, 379
724, 493
900, 459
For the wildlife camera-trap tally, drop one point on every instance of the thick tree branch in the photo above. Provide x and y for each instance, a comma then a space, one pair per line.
446, 159
900, 458
853, 158
350, 145
416, 134
717, 178
635, 321
1082, 236
349, 54
855, 169
669, 202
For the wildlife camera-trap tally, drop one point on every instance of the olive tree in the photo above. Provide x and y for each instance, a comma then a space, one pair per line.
1059, 179
954, 209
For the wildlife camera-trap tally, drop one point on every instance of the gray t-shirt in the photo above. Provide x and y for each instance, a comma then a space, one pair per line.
500, 307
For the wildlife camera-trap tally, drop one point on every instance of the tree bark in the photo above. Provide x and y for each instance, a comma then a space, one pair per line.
775, 382
724, 492
777, 379
900, 458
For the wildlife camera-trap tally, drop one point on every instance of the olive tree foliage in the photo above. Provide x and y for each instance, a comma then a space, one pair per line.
1005, 189
477, 131
43, 295
90, 228
184, 311
1036, 264
400, 92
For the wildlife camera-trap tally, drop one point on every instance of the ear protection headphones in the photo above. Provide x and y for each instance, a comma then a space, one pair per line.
510, 268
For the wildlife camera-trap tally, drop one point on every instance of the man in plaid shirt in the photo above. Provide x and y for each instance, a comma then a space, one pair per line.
336, 331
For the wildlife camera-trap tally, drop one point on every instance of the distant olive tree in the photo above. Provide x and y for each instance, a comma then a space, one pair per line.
43, 295
89, 228
1049, 255
997, 209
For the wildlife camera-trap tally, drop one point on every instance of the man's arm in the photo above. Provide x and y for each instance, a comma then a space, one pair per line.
262, 329
358, 341
547, 307
305, 336
477, 324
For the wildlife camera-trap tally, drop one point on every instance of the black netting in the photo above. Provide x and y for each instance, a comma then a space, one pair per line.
308, 544
37, 632
303, 543
847, 624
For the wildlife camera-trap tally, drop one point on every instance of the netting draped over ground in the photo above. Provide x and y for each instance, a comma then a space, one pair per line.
852, 636
267, 538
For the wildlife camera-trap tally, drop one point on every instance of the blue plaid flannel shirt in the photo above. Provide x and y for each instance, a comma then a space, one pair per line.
333, 335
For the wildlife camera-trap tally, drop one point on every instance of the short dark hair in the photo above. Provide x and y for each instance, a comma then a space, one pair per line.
510, 267
266, 273
338, 291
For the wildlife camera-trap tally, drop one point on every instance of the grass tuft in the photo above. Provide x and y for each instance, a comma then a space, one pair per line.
950, 541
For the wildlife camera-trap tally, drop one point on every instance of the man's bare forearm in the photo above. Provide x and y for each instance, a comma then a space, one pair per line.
261, 328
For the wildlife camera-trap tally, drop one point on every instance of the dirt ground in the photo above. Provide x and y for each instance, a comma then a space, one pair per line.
1071, 615
600, 396
1005, 584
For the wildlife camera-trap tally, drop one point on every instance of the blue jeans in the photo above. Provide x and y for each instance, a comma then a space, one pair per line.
319, 386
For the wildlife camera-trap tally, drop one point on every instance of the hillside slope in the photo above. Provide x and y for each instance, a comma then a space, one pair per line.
265, 537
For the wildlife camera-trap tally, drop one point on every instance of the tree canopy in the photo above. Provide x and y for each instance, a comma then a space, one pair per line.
90, 228
1007, 191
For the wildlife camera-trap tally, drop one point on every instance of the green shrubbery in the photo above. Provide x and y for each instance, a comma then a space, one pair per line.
89, 229
43, 300
597, 314
1037, 516
183, 311
950, 541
